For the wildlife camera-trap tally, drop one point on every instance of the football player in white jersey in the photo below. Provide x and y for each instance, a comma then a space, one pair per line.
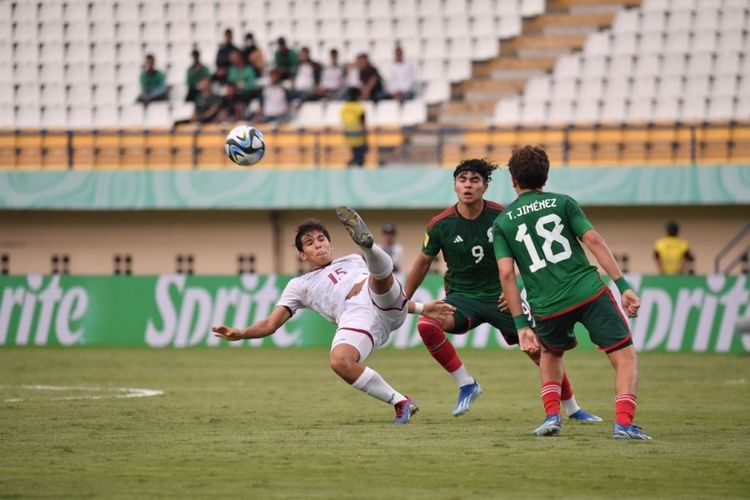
361, 297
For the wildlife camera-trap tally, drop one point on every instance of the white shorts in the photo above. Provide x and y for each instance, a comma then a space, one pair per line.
369, 319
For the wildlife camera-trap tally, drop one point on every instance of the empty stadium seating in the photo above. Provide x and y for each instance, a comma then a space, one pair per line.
667, 61
92, 51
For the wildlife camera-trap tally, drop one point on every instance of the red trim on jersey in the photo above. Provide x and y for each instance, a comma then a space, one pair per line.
359, 331
495, 206
442, 215
576, 306
391, 308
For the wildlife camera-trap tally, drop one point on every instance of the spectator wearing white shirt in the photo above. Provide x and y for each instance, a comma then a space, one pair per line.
400, 83
307, 78
274, 98
332, 78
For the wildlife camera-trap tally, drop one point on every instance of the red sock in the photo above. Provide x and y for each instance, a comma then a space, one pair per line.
438, 344
625, 409
551, 397
567, 391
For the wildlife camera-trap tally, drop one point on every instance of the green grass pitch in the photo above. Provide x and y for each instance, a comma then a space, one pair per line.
267, 424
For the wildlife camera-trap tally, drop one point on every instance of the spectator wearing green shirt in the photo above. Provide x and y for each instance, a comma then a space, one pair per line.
195, 73
242, 76
153, 83
285, 60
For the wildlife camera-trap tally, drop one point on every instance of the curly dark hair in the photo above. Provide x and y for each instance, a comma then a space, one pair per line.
479, 165
308, 226
529, 166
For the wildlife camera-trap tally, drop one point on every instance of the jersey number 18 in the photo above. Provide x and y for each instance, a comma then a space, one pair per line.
555, 235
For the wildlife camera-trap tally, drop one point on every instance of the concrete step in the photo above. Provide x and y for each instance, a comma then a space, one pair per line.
590, 6
542, 47
469, 107
512, 68
567, 24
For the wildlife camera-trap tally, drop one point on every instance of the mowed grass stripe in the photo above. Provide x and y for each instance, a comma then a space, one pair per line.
279, 424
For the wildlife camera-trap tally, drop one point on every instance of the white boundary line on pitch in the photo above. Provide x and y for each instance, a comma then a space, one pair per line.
121, 392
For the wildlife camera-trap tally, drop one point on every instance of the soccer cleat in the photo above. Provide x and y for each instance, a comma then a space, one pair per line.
629, 432
356, 226
405, 410
467, 394
584, 416
551, 426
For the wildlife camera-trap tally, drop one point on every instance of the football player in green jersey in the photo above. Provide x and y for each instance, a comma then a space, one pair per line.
540, 232
463, 233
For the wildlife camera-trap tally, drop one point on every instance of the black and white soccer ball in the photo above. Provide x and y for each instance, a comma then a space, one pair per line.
245, 145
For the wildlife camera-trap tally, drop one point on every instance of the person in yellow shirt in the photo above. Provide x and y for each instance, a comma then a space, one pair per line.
353, 124
672, 253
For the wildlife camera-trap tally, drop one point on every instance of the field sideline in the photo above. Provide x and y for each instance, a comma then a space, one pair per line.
272, 424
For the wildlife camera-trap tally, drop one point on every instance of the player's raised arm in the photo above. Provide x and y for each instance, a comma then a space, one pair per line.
416, 276
603, 255
259, 329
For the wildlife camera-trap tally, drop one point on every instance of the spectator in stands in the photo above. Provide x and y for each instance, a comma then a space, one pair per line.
353, 125
253, 55
233, 106
242, 76
275, 104
285, 60
307, 78
391, 246
207, 104
332, 78
369, 78
672, 253
225, 50
400, 84
195, 73
153, 84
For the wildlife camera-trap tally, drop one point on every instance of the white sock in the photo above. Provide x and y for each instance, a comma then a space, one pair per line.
379, 263
372, 384
462, 376
571, 406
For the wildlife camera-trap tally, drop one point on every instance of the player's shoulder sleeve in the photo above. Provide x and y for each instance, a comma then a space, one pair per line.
291, 297
499, 242
432, 243
494, 207
579, 223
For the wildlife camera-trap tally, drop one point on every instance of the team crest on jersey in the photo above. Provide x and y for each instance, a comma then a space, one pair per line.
426, 240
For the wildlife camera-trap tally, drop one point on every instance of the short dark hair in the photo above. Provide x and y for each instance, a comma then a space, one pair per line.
308, 226
479, 165
529, 166
352, 94
195, 53
673, 229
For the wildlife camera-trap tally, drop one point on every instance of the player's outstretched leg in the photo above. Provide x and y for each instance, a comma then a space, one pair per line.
355, 226
441, 349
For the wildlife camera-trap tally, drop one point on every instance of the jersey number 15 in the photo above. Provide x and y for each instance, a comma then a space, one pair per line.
549, 236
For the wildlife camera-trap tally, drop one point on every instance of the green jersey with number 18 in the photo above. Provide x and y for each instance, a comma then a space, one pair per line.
541, 232
467, 250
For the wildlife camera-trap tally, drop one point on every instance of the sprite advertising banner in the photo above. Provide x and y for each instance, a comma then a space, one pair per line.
685, 314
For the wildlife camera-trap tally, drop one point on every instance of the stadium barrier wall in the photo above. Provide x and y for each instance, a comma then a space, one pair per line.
404, 187
678, 314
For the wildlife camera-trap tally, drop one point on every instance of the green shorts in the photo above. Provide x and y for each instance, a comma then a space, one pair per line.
601, 316
470, 313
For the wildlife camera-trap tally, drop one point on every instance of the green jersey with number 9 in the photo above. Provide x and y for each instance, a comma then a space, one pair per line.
541, 231
467, 250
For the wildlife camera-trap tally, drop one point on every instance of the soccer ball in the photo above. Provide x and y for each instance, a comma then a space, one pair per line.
245, 145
